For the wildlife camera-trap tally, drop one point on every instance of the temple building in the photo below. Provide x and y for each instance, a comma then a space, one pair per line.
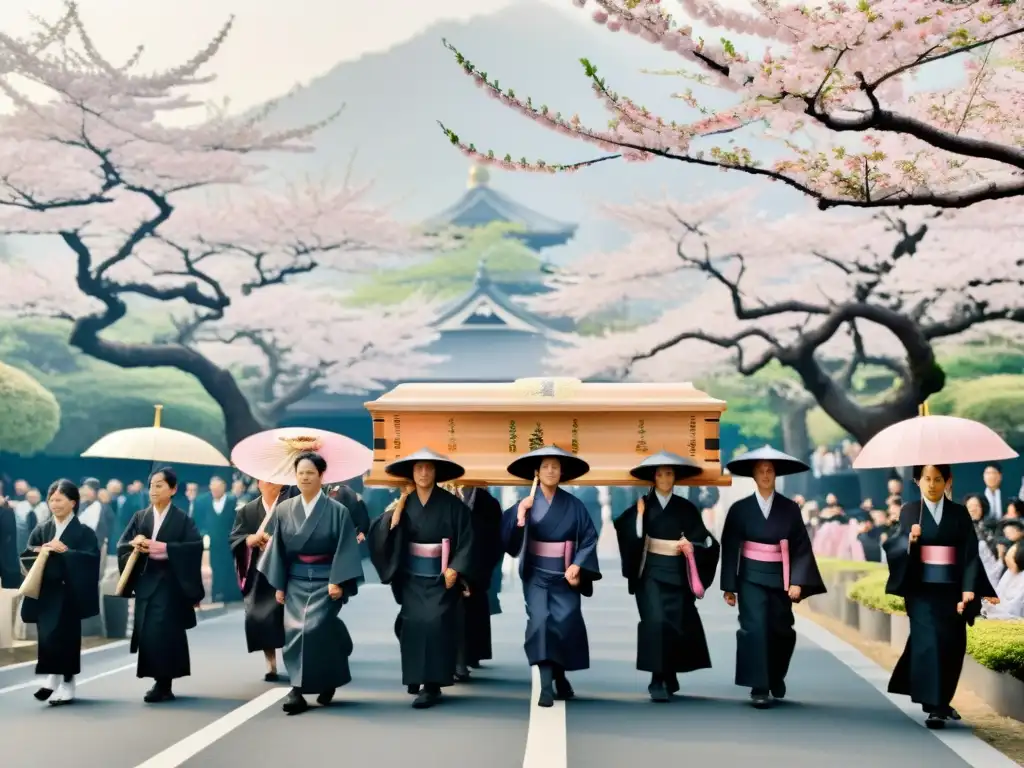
485, 335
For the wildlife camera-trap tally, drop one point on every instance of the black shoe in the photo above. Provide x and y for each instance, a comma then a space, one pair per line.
426, 698
672, 685
563, 691
462, 676
546, 698
295, 703
43, 694
271, 677
476, 665
412, 690
952, 714
935, 721
326, 697
779, 691
760, 699
157, 694
658, 691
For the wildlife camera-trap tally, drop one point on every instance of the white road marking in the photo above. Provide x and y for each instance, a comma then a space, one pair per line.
86, 652
79, 681
189, 747
545, 735
962, 741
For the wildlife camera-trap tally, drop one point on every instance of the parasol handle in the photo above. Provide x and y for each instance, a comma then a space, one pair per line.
158, 410
122, 583
533, 488
922, 409
266, 520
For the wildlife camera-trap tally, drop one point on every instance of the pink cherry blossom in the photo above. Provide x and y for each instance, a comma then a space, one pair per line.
733, 290
174, 217
837, 85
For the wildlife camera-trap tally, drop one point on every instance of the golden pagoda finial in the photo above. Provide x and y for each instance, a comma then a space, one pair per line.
478, 177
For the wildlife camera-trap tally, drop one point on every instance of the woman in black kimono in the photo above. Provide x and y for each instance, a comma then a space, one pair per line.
475, 607
767, 566
555, 540
314, 566
264, 616
668, 559
167, 583
934, 565
423, 546
69, 591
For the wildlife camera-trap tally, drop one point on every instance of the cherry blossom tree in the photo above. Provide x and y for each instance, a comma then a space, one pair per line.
148, 210
836, 88
822, 296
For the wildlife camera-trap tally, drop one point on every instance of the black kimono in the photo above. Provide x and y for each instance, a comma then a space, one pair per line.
306, 556
219, 527
264, 616
412, 558
555, 631
69, 593
759, 554
929, 668
485, 517
166, 592
670, 635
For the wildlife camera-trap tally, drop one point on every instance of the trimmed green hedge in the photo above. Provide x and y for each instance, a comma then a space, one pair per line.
830, 567
996, 644
869, 591
29, 413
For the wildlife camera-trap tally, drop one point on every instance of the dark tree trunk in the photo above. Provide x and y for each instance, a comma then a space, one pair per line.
239, 420
795, 439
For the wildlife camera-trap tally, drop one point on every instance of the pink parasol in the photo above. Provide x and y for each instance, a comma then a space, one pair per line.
270, 455
933, 440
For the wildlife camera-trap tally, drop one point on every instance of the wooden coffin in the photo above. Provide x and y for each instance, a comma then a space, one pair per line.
484, 427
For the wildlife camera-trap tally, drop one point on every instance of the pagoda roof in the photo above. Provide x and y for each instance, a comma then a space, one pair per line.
485, 307
481, 205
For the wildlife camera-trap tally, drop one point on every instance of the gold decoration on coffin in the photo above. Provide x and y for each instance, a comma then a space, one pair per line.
484, 427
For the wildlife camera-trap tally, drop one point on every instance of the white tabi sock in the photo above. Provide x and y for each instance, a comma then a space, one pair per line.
66, 691
52, 682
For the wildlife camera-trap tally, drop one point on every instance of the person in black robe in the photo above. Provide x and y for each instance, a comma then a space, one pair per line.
475, 607
264, 616
215, 517
69, 592
10, 564
314, 566
423, 547
935, 566
553, 536
767, 566
167, 584
668, 557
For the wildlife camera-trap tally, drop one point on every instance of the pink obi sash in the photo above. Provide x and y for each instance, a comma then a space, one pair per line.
315, 559
670, 548
554, 550
433, 552
933, 555
770, 553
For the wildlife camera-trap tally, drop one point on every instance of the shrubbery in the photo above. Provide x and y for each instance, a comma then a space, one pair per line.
29, 413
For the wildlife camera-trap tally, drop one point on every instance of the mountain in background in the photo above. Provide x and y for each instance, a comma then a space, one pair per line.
394, 99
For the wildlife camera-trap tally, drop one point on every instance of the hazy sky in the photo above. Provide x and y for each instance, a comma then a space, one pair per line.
274, 45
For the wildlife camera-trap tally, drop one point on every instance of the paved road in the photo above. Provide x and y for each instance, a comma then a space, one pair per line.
225, 713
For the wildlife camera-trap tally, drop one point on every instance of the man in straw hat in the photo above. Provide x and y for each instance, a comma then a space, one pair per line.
668, 559
767, 565
420, 546
555, 540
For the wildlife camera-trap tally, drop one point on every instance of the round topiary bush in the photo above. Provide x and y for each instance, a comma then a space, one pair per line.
29, 413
